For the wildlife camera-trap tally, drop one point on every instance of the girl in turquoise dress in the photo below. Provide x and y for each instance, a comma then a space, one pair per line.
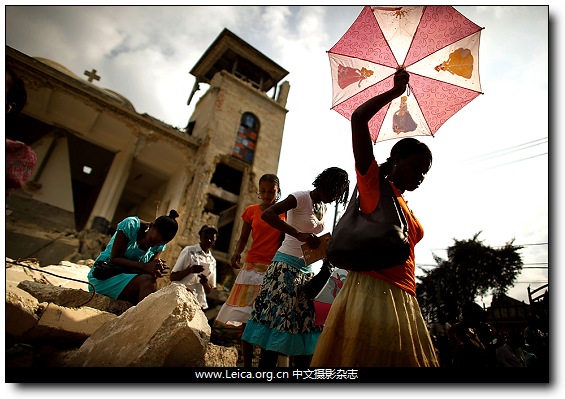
134, 249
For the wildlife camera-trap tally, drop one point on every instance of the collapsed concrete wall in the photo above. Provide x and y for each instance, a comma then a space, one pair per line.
54, 321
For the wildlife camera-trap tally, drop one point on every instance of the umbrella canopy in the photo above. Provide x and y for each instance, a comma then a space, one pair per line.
437, 45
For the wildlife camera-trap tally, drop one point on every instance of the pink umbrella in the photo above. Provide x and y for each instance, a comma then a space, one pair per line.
437, 45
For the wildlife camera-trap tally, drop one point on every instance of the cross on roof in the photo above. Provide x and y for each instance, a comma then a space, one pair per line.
92, 75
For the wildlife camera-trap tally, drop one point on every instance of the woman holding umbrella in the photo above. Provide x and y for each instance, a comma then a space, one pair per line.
375, 321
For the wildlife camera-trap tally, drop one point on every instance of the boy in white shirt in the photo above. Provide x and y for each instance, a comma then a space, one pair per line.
196, 266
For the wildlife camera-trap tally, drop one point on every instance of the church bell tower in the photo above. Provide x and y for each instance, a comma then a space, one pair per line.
240, 121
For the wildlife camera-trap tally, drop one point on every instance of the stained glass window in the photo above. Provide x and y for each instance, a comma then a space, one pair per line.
246, 139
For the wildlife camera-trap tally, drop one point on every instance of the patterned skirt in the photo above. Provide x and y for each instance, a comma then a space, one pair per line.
282, 319
373, 323
237, 308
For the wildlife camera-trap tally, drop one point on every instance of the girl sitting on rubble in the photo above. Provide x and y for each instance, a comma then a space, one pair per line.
129, 266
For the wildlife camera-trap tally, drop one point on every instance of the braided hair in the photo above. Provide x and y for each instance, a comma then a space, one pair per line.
167, 226
273, 179
334, 181
402, 149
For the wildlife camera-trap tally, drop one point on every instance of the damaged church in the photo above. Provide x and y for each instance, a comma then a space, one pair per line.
99, 160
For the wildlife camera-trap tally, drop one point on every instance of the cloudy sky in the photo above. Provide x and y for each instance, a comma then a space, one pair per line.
490, 168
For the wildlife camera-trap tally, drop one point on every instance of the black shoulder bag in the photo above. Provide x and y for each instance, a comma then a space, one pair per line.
375, 241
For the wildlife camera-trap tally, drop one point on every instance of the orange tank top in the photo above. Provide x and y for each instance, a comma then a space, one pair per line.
266, 239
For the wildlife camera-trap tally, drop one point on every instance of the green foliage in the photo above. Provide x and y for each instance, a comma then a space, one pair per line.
472, 269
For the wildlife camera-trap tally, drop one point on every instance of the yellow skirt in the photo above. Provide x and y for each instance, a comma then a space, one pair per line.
373, 323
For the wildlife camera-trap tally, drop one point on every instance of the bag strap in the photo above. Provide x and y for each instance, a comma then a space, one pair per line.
353, 199
385, 184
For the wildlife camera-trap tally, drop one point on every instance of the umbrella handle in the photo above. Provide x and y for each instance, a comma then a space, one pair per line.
408, 84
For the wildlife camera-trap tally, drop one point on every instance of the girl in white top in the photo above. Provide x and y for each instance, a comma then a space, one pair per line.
282, 320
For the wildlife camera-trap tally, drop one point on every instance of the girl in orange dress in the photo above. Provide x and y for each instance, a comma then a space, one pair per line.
236, 311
